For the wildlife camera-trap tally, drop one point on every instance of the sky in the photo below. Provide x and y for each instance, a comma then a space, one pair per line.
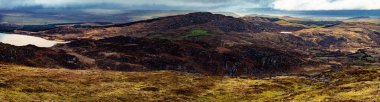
206, 5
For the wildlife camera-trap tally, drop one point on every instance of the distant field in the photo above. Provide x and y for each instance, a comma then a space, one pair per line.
368, 20
48, 16
19, 83
31, 20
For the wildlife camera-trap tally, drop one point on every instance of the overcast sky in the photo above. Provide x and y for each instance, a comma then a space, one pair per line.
218, 5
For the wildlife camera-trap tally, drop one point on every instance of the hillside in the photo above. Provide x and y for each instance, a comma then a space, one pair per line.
31, 55
201, 42
19, 83
197, 57
216, 44
189, 51
141, 54
176, 26
230, 31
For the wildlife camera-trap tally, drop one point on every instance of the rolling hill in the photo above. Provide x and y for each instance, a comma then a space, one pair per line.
196, 57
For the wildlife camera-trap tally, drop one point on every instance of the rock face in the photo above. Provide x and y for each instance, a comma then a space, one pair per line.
39, 57
140, 54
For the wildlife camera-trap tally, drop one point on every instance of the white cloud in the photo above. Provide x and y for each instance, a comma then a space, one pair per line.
326, 4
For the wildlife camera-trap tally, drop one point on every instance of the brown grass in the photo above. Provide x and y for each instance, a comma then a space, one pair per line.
18, 83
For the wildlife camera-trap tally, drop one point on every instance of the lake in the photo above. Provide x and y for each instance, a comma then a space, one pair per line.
22, 40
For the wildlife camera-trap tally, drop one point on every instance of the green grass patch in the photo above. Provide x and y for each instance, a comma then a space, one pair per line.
197, 33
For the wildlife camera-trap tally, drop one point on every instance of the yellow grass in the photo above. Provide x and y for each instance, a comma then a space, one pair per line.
19, 83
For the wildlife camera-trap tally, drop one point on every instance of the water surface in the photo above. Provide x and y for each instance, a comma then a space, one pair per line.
23, 40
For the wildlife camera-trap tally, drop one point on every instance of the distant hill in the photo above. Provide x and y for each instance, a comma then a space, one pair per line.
360, 17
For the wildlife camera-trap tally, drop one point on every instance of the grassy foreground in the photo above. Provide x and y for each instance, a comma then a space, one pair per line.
18, 83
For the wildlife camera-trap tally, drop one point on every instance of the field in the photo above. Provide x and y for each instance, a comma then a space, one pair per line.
19, 83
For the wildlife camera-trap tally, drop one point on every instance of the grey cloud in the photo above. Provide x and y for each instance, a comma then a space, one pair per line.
219, 5
138, 4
